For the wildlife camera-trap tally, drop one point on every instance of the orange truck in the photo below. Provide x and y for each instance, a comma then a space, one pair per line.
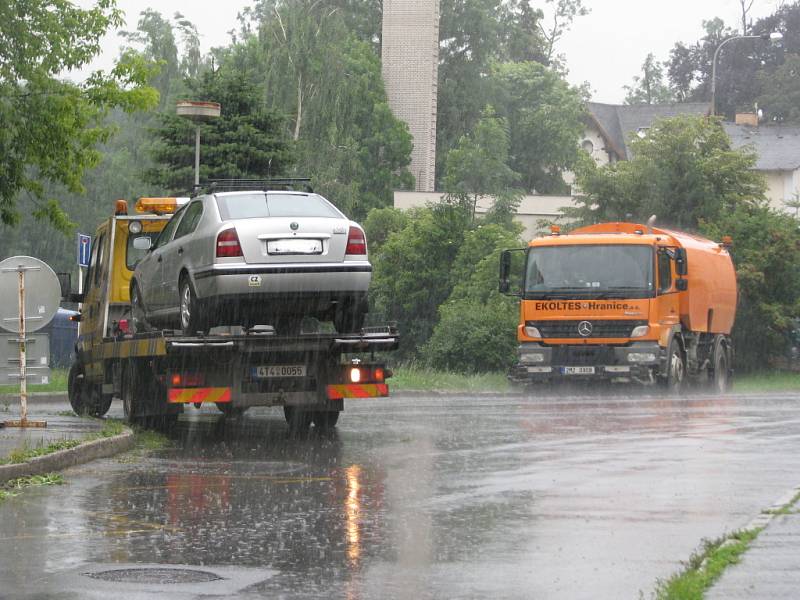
624, 302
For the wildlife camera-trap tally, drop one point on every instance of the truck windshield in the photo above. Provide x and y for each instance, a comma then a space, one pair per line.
592, 271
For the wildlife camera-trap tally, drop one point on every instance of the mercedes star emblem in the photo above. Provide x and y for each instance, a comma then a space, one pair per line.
585, 328
294, 225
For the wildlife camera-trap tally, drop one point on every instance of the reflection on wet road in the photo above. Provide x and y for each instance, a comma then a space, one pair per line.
411, 498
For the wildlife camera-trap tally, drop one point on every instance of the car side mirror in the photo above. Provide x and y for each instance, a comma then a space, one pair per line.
681, 268
682, 284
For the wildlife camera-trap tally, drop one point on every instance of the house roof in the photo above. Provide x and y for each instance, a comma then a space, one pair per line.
618, 122
777, 146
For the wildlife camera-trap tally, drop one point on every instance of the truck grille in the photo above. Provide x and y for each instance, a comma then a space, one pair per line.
600, 329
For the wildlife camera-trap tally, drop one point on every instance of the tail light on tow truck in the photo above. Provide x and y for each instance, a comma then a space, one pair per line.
358, 380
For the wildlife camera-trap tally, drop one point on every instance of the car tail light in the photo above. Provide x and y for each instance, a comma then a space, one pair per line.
356, 242
228, 244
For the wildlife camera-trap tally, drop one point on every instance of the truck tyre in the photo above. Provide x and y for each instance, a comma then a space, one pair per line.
76, 389
674, 379
99, 402
139, 322
230, 412
325, 419
720, 374
192, 319
131, 395
299, 420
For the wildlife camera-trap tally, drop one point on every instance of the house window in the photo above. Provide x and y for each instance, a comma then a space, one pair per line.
642, 132
587, 146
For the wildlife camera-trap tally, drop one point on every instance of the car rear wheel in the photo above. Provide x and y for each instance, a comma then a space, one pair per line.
325, 419
349, 317
192, 320
139, 322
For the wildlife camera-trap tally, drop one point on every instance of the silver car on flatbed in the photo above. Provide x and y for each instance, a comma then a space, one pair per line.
254, 257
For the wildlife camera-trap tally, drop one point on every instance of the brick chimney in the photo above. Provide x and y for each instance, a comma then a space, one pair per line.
750, 119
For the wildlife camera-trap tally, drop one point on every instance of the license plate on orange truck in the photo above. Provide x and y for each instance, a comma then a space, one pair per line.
278, 371
577, 370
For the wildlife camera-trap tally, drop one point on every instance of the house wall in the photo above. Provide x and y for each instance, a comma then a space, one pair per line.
599, 153
531, 210
781, 187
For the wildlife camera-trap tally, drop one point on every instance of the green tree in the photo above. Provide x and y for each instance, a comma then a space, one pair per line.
544, 118
649, 88
476, 330
247, 141
780, 96
766, 252
477, 168
684, 171
51, 128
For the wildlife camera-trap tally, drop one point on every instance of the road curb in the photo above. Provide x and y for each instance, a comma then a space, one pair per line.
57, 461
447, 394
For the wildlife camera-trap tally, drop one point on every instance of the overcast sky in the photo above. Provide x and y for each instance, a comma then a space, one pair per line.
605, 48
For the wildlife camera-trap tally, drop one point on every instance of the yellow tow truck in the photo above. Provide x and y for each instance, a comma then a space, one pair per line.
156, 374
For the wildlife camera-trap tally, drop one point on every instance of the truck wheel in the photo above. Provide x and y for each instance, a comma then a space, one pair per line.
131, 382
675, 378
299, 420
192, 320
76, 389
139, 322
325, 419
720, 375
99, 402
230, 412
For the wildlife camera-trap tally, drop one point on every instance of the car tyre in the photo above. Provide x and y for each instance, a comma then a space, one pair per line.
349, 317
139, 322
191, 309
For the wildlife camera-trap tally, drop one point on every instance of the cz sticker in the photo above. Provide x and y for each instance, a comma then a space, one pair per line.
254, 281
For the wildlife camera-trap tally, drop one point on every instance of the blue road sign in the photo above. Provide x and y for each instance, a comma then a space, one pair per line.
84, 248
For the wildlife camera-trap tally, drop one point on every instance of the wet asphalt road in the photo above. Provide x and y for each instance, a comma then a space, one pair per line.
452, 497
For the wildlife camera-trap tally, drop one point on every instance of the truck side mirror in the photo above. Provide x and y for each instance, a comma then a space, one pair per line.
505, 270
504, 285
65, 281
681, 267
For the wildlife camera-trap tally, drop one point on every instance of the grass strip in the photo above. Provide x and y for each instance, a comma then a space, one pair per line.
706, 566
416, 378
111, 427
776, 381
12, 487
57, 383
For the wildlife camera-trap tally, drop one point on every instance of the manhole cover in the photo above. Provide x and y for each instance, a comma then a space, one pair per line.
155, 575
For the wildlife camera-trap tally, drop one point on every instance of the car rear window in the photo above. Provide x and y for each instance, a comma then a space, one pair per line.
251, 206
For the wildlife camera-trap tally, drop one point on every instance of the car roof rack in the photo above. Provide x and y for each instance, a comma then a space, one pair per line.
212, 186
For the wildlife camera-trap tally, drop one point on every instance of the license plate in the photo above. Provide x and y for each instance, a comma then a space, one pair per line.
277, 371
294, 247
577, 370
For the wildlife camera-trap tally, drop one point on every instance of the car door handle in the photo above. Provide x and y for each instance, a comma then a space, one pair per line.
159, 259
180, 250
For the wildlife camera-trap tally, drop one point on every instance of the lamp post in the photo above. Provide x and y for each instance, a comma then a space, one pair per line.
769, 37
197, 112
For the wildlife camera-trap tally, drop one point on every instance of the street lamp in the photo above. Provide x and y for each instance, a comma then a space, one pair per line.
769, 37
197, 112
